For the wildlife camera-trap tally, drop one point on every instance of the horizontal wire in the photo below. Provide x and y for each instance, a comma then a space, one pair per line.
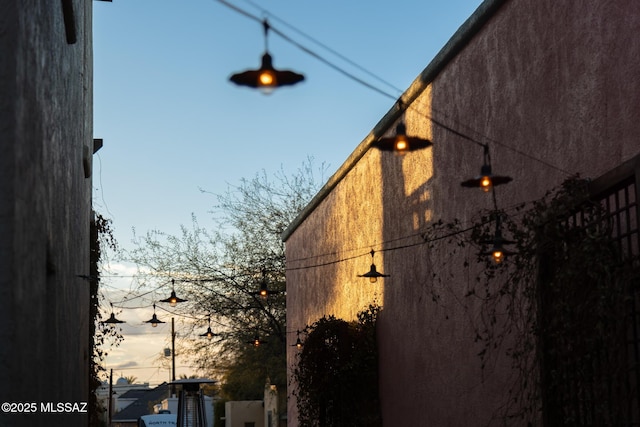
437, 122
324, 46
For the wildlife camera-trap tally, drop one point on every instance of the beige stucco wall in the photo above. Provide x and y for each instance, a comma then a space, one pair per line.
45, 208
552, 88
240, 412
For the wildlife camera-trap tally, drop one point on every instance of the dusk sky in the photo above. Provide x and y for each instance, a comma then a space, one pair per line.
173, 124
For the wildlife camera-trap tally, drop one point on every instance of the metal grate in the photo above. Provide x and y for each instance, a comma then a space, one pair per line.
595, 381
621, 203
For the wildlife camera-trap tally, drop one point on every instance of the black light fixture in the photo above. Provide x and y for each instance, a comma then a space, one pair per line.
154, 320
498, 251
256, 341
266, 78
373, 273
298, 343
173, 299
209, 334
112, 319
401, 143
264, 292
486, 180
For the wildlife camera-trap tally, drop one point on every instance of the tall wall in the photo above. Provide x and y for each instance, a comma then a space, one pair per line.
552, 88
46, 144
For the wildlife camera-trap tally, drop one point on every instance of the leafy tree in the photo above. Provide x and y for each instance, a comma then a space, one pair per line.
220, 272
131, 379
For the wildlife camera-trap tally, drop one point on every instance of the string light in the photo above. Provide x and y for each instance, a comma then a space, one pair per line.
298, 344
209, 334
486, 180
266, 78
112, 319
256, 341
400, 143
173, 300
154, 320
498, 251
264, 292
373, 273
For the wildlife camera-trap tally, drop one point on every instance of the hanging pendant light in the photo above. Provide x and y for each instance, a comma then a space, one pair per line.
209, 334
486, 180
256, 341
264, 292
112, 318
373, 273
498, 252
401, 143
266, 78
298, 343
154, 320
173, 299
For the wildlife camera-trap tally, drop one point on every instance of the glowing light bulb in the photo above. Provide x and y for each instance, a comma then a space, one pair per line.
267, 78
498, 256
154, 324
401, 145
485, 183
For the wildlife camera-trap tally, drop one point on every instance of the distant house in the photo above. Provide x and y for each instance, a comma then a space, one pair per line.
552, 88
139, 402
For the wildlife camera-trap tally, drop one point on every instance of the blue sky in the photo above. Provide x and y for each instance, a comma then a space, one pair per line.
173, 124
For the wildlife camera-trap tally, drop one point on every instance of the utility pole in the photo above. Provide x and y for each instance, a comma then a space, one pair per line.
173, 350
110, 395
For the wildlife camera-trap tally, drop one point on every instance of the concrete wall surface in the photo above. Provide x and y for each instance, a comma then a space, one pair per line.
46, 144
552, 87
239, 413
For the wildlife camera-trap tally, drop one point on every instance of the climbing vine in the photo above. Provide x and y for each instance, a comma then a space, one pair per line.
556, 309
101, 238
336, 377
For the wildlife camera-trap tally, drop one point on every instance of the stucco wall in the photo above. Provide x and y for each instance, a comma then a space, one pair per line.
552, 88
45, 208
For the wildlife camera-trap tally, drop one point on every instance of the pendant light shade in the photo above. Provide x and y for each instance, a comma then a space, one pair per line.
154, 319
256, 341
266, 78
401, 143
373, 273
498, 252
264, 292
173, 300
209, 334
298, 344
112, 318
486, 180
